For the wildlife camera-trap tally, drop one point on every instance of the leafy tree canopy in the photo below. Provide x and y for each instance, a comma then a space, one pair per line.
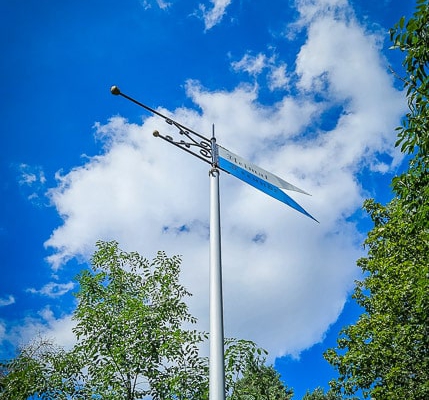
131, 342
259, 382
386, 353
319, 394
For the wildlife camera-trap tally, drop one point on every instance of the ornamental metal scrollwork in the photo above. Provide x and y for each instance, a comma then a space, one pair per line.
195, 144
200, 147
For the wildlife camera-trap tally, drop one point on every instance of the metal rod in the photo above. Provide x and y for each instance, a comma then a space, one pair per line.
216, 360
116, 91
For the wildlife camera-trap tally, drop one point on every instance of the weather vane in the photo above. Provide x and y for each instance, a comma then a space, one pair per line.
220, 158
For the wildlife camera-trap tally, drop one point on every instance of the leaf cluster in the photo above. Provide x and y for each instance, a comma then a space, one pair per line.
41, 369
412, 38
319, 394
247, 376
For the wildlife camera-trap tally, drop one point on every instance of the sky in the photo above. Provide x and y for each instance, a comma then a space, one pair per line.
301, 88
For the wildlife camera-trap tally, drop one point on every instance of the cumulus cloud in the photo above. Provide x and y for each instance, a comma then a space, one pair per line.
53, 289
31, 175
286, 278
214, 15
7, 301
313, 9
253, 65
163, 5
277, 76
32, 181
45, 324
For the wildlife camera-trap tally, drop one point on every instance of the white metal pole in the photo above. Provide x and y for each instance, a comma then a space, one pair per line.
216, 363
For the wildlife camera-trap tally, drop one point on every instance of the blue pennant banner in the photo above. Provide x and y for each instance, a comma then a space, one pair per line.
255, 170
251, 176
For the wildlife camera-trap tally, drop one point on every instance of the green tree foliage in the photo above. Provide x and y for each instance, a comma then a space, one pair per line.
260, 383
130, 319
131, 341
319, 394
41, 369
130, 338
412, 38
247, 376
386, 353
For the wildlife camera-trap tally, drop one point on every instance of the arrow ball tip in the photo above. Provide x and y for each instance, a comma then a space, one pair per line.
155, 133
115, 90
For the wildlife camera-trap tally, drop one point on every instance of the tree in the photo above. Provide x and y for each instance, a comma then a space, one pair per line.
386, 353
129, 327
247, 376
319, 394
260, 383
130, 338
131, 343
40, 369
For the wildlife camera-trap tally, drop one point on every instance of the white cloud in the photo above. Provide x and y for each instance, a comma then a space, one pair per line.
163, 5
313, 9
277, 76
45, 324
253, 65
283, 291
32, 181
213, 16
31, 175
53, 289
2, 332
7, 301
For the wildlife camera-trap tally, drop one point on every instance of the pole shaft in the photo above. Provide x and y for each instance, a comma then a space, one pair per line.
216, 364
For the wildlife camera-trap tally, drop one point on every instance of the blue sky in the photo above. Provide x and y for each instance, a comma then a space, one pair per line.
299, 87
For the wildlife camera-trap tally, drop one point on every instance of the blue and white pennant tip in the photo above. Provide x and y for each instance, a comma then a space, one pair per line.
259, 178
